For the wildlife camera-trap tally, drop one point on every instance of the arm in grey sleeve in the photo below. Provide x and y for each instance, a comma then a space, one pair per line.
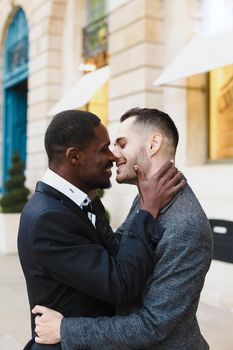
173, 291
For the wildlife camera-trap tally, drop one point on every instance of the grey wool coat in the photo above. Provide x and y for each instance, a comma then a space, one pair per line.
165, 317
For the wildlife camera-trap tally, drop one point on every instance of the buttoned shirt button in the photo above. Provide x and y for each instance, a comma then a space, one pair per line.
131, 234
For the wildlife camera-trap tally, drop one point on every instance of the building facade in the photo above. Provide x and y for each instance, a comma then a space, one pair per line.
47, 46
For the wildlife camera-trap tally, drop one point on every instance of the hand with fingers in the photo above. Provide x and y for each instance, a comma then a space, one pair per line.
160, 188
47, 325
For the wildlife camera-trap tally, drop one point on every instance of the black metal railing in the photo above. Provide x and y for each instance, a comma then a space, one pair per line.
95, 37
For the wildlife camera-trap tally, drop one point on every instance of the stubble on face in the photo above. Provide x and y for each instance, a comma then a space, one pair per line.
128, 174
96, 162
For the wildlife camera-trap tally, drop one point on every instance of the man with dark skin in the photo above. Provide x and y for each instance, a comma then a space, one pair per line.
164, 318
70, 258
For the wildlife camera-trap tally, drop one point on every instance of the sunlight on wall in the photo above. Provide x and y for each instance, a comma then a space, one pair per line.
99, 104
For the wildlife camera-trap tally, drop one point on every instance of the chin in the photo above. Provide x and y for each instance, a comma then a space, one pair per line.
120, 179
105, 185
126, 180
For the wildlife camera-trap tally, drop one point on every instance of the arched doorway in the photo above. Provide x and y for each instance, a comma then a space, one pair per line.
15, 75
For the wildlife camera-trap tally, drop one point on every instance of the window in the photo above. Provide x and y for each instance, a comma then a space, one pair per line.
16, 47
221, 113
95, 33
95, 43
96, 10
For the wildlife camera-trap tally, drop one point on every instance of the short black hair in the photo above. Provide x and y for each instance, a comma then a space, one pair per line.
152, 117
70, 128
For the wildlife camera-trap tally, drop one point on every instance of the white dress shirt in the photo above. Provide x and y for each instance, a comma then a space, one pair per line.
75, 194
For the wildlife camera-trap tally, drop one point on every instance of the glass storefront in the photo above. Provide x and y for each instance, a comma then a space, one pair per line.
221, 113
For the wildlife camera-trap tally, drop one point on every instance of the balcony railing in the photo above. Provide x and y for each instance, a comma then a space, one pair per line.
95, 37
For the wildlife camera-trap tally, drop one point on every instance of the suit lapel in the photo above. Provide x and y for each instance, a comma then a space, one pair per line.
42, 187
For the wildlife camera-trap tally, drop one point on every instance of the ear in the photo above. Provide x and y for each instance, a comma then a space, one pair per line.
72, 156
155, 142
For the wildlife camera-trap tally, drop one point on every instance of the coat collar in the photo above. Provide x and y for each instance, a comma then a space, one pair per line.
164, 209
44, 188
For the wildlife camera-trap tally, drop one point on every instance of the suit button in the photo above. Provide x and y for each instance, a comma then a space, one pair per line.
131, 235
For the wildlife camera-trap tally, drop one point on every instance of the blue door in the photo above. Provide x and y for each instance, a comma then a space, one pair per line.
15, 92
15, 123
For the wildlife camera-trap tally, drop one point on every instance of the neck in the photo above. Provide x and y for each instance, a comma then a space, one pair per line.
69, 176
157, 163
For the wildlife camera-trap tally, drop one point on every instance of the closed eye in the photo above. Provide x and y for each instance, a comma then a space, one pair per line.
121, 142
122, 145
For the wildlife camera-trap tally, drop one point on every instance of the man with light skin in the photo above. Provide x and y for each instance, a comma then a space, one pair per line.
71, 260
165, 315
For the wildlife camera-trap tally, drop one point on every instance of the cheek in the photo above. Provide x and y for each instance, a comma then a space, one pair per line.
97, 163
131, 151
130, 156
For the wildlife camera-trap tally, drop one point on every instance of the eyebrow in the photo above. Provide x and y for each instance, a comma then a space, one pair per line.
119, 139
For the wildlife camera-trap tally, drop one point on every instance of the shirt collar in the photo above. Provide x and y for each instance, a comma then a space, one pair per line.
59, 183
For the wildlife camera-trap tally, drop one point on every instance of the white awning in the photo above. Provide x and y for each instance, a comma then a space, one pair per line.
82, 91
202, 54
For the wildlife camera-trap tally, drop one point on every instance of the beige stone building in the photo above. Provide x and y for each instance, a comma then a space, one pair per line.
129, 43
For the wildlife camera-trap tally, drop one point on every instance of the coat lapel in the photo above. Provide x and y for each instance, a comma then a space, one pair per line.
42, 187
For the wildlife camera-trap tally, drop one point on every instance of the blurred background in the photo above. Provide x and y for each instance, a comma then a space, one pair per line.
106, 56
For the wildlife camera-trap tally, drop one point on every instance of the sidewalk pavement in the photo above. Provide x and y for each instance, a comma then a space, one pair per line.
216, 325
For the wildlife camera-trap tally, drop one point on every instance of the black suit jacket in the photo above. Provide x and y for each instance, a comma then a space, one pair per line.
67, 263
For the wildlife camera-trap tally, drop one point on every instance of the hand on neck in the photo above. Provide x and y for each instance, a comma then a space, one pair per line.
157, 162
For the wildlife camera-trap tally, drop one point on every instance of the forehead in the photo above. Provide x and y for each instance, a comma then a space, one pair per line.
101, 134
126, 128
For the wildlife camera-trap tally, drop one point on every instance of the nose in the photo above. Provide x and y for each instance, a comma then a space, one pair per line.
112, 157
116, 152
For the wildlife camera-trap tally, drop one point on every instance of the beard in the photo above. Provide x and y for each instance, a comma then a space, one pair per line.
103, 183
128, 174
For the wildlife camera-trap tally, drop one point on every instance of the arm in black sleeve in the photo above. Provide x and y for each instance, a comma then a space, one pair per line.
109, 239
118, 280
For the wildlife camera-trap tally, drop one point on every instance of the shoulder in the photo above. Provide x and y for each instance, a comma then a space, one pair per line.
185, 221
184, 210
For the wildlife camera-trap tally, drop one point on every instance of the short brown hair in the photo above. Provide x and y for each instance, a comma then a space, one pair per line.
155, 118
